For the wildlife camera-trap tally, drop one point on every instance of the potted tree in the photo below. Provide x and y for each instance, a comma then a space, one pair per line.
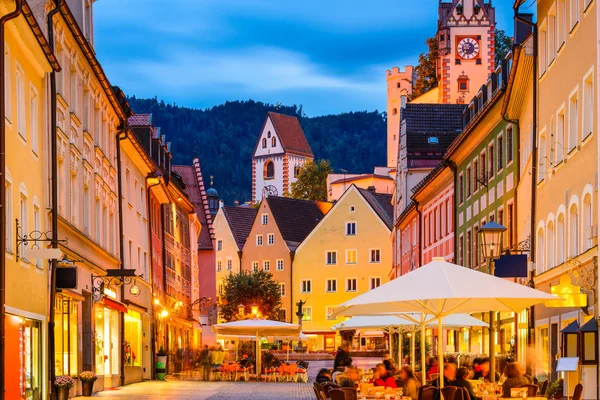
87, 379
161, 364
555, 390
63, 384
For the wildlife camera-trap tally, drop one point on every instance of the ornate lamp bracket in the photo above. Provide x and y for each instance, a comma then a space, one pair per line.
36, 238
112, 280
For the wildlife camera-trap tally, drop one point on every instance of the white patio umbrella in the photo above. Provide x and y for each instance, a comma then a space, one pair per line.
399, 323
258, 328
299, 337
440, 288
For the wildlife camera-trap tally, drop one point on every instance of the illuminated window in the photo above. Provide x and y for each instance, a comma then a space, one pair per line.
307, 313
65, 332
351, 256
133, 339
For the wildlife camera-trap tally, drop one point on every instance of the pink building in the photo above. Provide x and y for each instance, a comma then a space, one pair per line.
407, 247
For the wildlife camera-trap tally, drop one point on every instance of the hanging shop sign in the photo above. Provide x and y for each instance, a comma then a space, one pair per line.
570, 293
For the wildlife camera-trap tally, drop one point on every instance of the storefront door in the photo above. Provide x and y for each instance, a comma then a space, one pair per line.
23, 378
107, 343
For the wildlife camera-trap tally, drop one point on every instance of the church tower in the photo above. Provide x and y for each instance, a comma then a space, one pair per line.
466, 48
399, 87
280, 153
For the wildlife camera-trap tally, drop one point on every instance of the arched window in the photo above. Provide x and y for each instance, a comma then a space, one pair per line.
269, 170
587, 221
269, 134
550, 245
573, 231
394, 111
560, 239
540, 250
273, 141
264, 143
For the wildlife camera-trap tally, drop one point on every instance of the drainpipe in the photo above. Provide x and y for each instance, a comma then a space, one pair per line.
164, 271
121, 135
291, 290
239, 253
420, 213
3, 21
517, 162
454, 169
153, 342
534, 167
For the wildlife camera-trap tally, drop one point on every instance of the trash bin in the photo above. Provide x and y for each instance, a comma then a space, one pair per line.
161, 367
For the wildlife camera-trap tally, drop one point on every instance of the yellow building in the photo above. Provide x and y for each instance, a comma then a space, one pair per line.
566, 171
27, 59
346, 254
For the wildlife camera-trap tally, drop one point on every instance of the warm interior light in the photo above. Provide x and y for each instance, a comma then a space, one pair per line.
164, 313
156, 301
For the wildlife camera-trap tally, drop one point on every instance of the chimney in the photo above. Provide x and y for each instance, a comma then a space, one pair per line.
236, 202
371, 189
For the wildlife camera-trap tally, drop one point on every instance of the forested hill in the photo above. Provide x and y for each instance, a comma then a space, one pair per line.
224, 136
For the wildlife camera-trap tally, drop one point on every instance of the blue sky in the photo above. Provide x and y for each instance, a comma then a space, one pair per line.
329, 55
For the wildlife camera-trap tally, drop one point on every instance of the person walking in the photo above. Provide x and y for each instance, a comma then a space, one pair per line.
205, 363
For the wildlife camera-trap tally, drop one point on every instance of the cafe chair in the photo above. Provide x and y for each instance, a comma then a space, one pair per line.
449, 393
328, 386
532, 390
543, 388
428, 392
342, 394
302, 371
578, 392
242, 372
350, 393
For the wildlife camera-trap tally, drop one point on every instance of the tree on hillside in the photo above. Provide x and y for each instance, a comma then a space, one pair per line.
503, 43
312, 181
248, 289
426, 69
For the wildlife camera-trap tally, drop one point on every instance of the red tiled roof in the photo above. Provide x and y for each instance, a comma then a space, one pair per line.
140, 120
240, 220
290, 133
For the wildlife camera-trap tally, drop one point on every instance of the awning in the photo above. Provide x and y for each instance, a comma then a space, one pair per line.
590, 326
115, 305
573, 327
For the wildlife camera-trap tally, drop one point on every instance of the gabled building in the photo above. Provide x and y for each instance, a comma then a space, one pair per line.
232, 226
280, 152
382, 179
280, 225
346, 254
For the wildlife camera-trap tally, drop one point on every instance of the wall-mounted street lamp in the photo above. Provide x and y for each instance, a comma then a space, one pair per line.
241, 309
113, 279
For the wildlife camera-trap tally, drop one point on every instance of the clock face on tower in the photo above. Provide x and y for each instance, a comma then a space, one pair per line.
468, 48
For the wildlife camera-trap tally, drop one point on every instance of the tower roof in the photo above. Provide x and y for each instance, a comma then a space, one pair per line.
290, 133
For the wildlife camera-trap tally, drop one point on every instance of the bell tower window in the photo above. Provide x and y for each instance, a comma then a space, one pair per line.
273, 141
264, 143
269, 170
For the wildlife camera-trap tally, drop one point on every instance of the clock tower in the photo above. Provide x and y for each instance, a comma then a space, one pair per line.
466, 48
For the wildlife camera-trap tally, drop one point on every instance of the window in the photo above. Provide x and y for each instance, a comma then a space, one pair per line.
551, 35
270, 239
306, 313
482, 175
374, 282
475, 176
219, 245
23, 221
432, 140
561, 25
331, 258
588, 224
352, 208
297, 169
37, 226
273, 141
282, 289
351, 256
34, 117
491, 161
269, 170
468, 182
279, 265
375, 255
328, 311
573, 121
468, 249
282, 315
476, 258
461, 185
264, 143
305, 286
500, 153
574, 6
7, 84
573, 231
331, 285
394, 111
21, 126
74, 86
229, 264
541, 251
510, 225
259, 240
65, 332
587, 119
264, 219
550, 245
461, 248
560, 239
541, 167
350, 228
254, 266
543, 48
219, 265
9, 218
559, 146
351, 284
266, 265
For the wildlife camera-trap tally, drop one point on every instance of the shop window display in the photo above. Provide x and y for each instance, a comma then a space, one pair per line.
65, 332
23, 353
133, 339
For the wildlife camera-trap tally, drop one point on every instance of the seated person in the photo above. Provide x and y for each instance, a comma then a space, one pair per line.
462, 376
484, 371
410, 384
389, 366
339, 370
432, 368
449, 375
350, 377
324, 376
381, 377
515, 377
